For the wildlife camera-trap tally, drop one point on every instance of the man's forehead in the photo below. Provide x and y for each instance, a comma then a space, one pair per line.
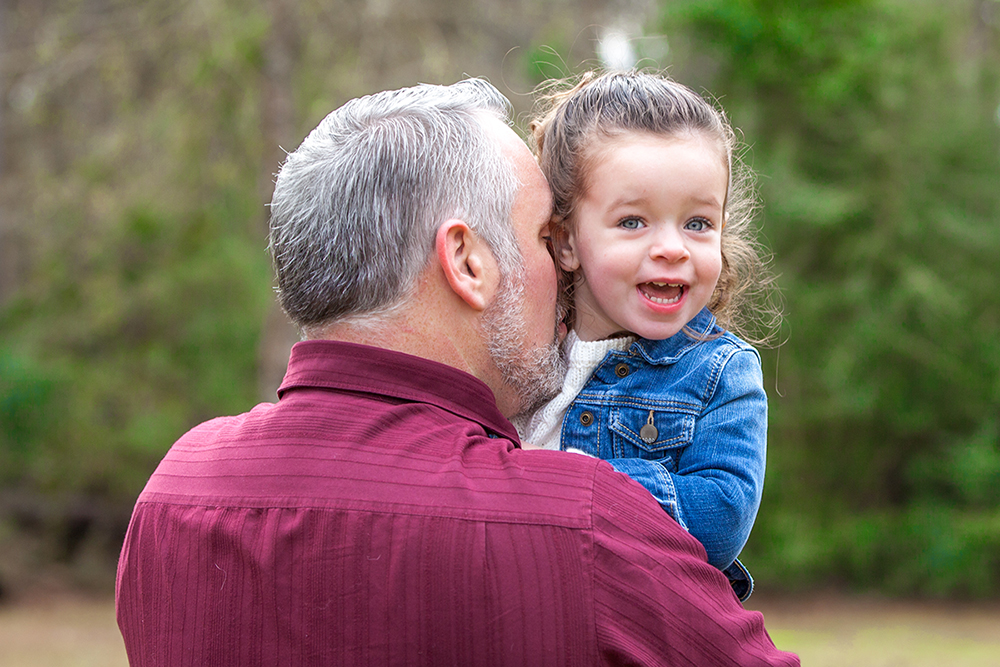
511, 144
534, 188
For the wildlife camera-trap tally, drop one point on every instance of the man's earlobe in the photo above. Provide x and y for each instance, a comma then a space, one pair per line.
467, 263
564, 246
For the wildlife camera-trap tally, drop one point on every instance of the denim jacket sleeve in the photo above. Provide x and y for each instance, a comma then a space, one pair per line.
712, 484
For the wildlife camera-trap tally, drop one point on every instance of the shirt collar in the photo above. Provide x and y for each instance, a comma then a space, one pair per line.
349, 366
669, 350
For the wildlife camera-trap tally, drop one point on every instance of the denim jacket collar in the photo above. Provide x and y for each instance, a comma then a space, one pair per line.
669, 350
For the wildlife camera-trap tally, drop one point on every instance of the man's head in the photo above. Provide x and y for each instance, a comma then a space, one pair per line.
357, 205
358, 213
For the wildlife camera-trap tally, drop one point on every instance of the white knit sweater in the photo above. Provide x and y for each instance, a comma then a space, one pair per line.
542, 427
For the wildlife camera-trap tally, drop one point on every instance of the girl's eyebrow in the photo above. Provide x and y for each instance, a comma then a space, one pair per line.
708, 200
632, 201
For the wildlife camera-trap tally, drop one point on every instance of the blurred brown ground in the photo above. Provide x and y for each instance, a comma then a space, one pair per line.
57, 630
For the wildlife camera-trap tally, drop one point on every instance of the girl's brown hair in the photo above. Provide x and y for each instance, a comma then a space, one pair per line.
578, 116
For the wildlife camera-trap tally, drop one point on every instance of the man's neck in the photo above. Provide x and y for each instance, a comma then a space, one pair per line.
421, 331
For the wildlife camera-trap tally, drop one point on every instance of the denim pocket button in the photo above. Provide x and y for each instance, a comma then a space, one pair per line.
622, 370
649, 432
587, 418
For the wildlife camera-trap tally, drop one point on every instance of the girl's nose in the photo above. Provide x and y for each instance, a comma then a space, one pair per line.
669, 244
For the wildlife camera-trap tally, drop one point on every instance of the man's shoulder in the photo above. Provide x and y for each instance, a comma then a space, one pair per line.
622, 502
409, 458
610, 497
218, 429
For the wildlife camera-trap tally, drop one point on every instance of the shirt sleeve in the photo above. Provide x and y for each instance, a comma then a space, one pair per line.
657, 599
715, 492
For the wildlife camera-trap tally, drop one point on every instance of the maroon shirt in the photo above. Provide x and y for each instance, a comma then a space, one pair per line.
381, 513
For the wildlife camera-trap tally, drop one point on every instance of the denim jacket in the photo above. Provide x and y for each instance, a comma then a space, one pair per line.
687, 419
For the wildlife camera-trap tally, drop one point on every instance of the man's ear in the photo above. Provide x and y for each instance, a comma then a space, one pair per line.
564, 247
467, 263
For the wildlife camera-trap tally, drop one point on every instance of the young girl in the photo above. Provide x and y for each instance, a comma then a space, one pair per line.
652, 226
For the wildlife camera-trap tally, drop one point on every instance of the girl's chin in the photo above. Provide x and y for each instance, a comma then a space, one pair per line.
657, 334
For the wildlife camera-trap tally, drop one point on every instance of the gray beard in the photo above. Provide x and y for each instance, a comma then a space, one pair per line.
535, 375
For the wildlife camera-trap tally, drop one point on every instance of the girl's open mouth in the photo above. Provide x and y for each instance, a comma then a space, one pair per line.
662, 293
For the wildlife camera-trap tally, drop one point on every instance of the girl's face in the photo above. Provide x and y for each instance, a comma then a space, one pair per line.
645, 236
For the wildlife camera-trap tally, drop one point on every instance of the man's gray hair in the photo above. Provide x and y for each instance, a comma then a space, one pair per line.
357, 206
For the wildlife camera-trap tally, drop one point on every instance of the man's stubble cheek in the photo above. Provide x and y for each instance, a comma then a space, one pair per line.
535, 374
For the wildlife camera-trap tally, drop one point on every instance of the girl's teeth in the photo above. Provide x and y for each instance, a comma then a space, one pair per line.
663, 299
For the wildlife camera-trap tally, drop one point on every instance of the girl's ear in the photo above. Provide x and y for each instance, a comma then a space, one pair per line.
564, 245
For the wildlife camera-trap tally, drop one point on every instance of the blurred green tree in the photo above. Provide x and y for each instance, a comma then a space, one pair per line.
138, 143
874, 128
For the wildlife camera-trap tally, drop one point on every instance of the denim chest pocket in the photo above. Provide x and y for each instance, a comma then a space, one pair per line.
655, 434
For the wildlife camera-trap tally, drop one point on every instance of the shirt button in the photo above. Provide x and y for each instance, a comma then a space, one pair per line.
622, 370
587, 418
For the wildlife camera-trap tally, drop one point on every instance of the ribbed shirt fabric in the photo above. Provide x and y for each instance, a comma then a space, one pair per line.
382, 513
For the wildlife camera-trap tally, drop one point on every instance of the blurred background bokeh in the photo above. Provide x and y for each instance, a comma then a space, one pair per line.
138, 143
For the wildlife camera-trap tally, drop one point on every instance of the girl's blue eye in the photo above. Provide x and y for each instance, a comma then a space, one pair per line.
631, 223
697, 225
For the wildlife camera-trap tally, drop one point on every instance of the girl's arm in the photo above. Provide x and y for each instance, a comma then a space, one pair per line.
716, 489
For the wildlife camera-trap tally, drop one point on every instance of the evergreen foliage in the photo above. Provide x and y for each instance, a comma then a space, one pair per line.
875, 131
134, 283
